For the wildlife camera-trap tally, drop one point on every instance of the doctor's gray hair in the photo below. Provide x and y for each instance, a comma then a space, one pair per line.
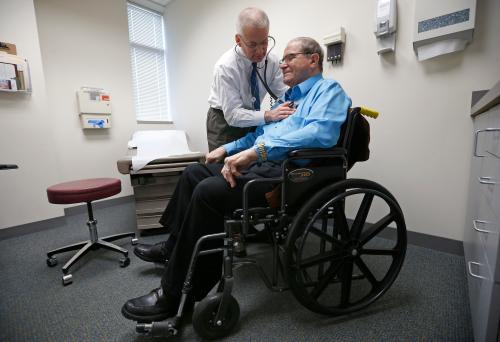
310, 46
251, 17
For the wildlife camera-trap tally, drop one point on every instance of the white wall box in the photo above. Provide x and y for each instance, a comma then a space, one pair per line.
94, 106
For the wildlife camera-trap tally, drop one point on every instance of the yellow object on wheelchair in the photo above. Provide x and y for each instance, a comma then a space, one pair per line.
369, 112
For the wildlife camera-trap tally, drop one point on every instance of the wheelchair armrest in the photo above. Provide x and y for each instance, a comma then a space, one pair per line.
246, 190
309, 153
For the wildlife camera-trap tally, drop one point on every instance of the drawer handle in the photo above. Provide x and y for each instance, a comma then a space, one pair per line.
486, 180
480, 230
470, 269
476, 138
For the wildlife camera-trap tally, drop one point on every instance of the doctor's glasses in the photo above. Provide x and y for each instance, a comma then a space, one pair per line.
255, 45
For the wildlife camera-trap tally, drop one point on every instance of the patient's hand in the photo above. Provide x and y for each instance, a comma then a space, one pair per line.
215, 156
234, 164
279, 113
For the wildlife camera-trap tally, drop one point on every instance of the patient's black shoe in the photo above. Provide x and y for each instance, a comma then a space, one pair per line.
152, 253
155, 306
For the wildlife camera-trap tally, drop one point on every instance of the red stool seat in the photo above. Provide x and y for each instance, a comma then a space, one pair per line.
85, 190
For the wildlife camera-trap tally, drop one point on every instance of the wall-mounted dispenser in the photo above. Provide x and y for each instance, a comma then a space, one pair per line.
335, 46
385, 26
94, 105
442, 27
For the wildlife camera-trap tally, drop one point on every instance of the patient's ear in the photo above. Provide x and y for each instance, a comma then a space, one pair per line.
315, 59
237, 39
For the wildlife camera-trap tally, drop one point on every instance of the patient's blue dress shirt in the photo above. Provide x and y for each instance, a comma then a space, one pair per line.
321, 109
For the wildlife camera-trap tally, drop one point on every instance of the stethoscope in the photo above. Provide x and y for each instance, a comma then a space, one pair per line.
264, 80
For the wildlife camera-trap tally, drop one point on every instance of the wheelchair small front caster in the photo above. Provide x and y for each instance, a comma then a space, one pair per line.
204, 317
135, 241
124, 262
67, 279
51, 262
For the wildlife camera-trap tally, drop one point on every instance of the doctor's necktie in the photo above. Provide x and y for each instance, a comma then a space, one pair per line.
254, 87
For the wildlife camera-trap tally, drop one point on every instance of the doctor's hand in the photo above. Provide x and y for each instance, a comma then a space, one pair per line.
215, 156
234, 164
279, 113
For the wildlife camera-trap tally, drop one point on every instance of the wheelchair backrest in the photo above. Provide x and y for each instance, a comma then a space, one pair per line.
300, 183
355, 137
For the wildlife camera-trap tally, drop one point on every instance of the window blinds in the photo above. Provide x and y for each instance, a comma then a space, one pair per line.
147, 55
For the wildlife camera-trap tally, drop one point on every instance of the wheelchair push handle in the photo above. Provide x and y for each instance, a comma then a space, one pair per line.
369, 112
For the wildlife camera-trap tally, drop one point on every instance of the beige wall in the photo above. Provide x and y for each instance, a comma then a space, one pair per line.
421, 144
26, 128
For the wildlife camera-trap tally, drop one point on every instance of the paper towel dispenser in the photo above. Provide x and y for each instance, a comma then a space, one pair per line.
442, 26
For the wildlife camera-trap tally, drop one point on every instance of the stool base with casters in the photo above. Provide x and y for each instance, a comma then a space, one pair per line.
79, 191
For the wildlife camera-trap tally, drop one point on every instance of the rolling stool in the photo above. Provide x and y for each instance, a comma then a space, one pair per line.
86, 190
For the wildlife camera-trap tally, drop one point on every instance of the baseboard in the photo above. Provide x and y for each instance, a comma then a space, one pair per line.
428, 241
33, 227
418, 239
38, 226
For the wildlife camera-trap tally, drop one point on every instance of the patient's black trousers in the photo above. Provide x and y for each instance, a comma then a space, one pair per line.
200, 201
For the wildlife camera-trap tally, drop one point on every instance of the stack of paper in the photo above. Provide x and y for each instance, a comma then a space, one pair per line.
153, 145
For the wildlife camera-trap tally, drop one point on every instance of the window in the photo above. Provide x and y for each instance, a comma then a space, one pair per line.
147, 56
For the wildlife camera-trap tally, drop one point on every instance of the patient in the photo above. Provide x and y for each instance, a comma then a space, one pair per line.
207, 193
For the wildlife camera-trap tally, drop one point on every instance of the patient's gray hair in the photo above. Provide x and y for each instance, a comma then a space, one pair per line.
251, 17
309, 45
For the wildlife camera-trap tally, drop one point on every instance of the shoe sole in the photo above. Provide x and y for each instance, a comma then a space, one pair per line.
145, 258
145, 318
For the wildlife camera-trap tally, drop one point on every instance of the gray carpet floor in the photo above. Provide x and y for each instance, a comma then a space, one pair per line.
428, 301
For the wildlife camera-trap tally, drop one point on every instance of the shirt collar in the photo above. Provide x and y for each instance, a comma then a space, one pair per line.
301, 89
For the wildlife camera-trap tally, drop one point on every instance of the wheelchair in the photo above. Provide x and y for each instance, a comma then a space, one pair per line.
331, 240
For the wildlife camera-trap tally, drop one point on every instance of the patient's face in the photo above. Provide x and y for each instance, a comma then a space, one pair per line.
296, 66
253, 42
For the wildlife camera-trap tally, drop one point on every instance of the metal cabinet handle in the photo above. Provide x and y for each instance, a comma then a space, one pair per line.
470, 270
477, 137
486, 180
480, 230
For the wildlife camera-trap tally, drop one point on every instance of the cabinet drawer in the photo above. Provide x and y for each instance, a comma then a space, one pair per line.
480, 288
487, 228
493, 142
148, 207
163, 187
154, 178
485, 307
489, 182
148, 221
486, 219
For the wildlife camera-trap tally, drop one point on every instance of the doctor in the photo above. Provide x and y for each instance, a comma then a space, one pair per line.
236, 92
235, 98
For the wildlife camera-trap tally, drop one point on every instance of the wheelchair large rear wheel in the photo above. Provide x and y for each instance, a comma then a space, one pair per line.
337, 262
